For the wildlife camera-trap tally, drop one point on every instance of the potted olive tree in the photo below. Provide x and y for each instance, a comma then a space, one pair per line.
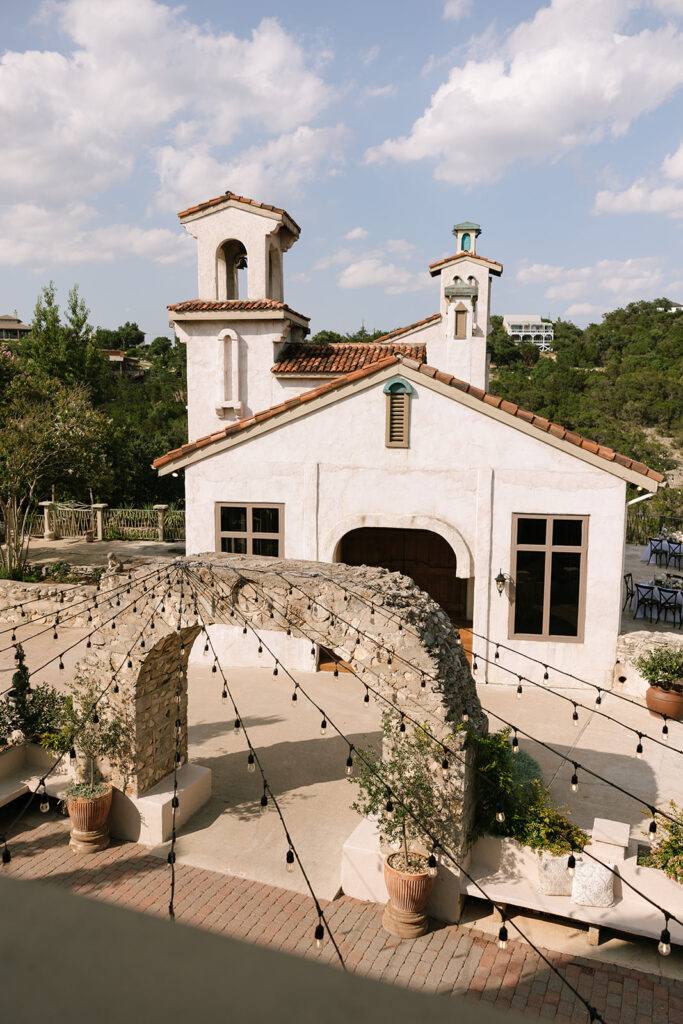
390, 787
97, 736
662, 668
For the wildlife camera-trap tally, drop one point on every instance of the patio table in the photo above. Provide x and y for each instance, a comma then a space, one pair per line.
642, 612
645, 557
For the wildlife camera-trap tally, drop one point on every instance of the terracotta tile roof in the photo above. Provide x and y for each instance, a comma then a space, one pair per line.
545, 426
411, 327
435, 268
238, 199
238, 305
340, 357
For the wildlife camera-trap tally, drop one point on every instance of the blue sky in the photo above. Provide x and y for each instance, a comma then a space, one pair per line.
558, 127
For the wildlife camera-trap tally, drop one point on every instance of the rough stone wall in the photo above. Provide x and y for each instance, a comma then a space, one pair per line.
371, 618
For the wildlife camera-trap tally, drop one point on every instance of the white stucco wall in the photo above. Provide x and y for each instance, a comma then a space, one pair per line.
463, 476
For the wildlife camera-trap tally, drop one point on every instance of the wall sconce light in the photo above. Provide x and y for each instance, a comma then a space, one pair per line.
501, 579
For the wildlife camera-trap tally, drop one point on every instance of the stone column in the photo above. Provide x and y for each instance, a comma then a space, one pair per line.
160, 509
48, 533
99, 509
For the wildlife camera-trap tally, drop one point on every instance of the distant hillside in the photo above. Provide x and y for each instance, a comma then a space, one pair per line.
619, 382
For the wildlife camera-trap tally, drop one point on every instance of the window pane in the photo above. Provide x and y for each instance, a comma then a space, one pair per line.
263, 546
265, 520
567, 532
565, 576
529, 591
233, 519
531, 531
234, 545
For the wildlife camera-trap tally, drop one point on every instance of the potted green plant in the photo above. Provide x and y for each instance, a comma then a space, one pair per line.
96, 734
404, 776
662, 668
666, 853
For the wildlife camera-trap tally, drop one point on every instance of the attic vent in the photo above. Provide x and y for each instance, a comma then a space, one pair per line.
398, 414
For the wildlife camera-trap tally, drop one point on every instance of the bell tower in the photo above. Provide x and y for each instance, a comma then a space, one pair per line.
465, 308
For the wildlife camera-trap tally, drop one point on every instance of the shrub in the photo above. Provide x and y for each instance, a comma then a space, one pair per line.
667, 849
515, 786
30, 711
663, 667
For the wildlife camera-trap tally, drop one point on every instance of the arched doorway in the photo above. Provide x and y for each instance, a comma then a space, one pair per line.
421, 554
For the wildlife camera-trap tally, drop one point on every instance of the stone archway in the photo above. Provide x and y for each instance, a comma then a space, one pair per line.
312, 599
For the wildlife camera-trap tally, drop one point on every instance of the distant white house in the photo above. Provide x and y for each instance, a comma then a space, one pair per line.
393, 453
529, 327
11, 327
673, 308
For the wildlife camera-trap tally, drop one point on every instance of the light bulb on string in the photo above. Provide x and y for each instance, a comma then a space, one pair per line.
496, 656
72, 755
319, 935
336, 671
238, 725
515, 743
475, 666
44, 802
260, 650
423, 681
294, 696
444, 767
575, 780
224, 695
323, 727
500, 815
571, 865
503, 937
465, 715
289, 859
275, 669
389, 807
402, 726
665, 730
545, 674
639, 747
664, 946
115, 688
519, 689
264, 803
652, 830
366, 698
349, 764
598, 698
251, 763
575, 716
431, 864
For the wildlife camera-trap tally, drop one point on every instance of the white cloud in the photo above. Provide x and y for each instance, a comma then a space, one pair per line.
454, 10
76, 123
614, 281
547, 88
279, 168
380, 91
582, 309
369, 55
32, 235
659, 194
356, 233
373, 273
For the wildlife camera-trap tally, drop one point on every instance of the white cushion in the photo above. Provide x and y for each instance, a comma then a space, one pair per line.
553, 877
593, 884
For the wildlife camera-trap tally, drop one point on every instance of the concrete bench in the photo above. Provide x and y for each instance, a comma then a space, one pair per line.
508, 874
22, 767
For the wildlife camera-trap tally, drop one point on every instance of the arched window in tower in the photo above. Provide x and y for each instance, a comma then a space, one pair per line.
398, 394
275, 285
231, 275
466, 243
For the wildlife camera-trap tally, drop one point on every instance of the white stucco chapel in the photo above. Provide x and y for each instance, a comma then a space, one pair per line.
393, 453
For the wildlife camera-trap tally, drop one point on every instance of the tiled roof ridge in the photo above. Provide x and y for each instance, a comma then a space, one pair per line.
409, 327
469, 255
239, 199
539, 422
245, 305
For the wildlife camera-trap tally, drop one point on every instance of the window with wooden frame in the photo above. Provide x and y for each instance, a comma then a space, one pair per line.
398, 394
245, 529
460, 330
548, 567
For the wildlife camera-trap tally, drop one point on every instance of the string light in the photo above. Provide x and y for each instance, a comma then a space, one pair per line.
664, 946
444, 767
323, 727
402, 726
290, 860
598, 698
639, 747
575, 716
500, 815
275, 669
294, 696
389, 806
575, 780
545, 673
519, 689
319, 934
503, 937
366, 698
251, 764
496, 656
652, 830
238, 725
349, 763
44, 801
515, 743
571, 864
264, 802
432, 866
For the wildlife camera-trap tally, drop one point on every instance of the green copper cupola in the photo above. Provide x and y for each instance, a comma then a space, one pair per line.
466, 233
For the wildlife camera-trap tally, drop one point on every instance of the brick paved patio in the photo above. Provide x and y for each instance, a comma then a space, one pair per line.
447, 960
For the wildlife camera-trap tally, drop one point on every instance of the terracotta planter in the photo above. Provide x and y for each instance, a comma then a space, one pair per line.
404, 914
664, 702
89, 832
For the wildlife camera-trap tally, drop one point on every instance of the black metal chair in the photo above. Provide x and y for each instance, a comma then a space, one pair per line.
647, 597
675, 553
669, 602
657, 550
630, 591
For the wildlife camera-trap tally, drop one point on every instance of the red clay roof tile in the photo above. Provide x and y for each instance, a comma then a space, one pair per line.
429, 371
307, 358
238, 199
236, 305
